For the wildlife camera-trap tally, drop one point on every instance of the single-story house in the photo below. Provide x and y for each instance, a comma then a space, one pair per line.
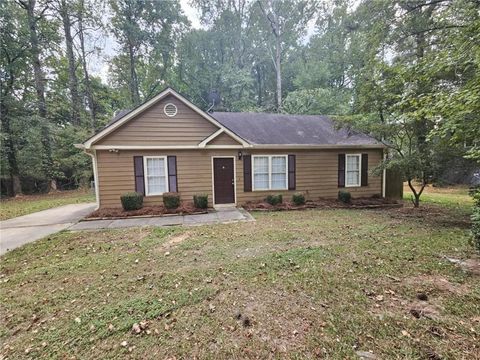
168, 144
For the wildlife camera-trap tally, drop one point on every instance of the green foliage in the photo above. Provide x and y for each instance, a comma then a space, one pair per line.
200, 201
298, 199
407, 74
344, 196
317, 101
171, 200
274, 199
132, 201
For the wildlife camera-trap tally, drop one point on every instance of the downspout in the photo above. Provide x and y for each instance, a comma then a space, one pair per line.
384, 175
93, 155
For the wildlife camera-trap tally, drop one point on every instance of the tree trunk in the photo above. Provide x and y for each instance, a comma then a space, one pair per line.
278, 60
86, 76
135, 96
47, 160
72, 76
10, 151
416, 195
259, 85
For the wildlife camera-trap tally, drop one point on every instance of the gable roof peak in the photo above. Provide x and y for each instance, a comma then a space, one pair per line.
120, 120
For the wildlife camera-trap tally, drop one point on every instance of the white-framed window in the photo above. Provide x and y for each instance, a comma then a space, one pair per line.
155, 174
353, 167
270, 172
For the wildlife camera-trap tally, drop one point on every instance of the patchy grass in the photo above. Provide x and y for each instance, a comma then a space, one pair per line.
456, 198
301, 284
28, 204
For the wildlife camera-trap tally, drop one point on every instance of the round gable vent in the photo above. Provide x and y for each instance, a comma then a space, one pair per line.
170, 109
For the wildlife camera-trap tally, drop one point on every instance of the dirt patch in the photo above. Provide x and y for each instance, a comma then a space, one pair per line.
275, 318
471, 266
432, 283
174, 240
433, 215
324, 203
156, 210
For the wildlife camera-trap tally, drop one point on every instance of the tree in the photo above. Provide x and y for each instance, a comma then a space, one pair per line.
65, 10
13, 53
33, 17
147, 32
287, 21
86, 17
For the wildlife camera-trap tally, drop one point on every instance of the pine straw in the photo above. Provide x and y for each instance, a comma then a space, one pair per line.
324, 203
154, 210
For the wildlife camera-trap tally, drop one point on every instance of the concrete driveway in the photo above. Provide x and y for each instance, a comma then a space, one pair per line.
24, 229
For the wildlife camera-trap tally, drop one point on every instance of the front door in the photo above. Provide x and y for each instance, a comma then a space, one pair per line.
223, 181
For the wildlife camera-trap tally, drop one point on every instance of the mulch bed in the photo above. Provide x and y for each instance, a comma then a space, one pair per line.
357, 203
146, 211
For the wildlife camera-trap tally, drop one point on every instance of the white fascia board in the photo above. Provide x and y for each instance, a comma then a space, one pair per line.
210, 138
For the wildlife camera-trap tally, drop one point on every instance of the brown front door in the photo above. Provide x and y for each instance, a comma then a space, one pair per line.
223, 180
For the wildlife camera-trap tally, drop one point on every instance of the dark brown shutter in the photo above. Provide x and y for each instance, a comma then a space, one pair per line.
247, 173
341, 170
291, 172
138, 171
172, 173
364, 169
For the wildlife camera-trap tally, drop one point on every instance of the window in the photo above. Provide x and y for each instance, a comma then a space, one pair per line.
155, 175
270, 172
352, 171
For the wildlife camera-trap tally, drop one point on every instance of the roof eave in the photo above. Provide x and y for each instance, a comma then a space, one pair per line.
318, 146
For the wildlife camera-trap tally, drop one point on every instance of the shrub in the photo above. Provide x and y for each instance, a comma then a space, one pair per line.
274, 199
171, 200
344, 196
132, 201
200, 201
298, 199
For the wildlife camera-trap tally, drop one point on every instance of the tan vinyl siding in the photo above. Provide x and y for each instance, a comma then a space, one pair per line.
316, 174
153, 127
223, 139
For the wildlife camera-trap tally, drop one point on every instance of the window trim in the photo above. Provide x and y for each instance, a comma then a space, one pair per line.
359, 156
270, 172
145, 175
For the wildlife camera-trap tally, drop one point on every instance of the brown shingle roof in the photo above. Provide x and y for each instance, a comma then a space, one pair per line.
283, 129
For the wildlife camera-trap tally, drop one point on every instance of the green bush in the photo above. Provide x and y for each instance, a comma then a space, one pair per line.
274, 199
298, 199
344, 196
171, 200
132, 201
200, 201
476, 218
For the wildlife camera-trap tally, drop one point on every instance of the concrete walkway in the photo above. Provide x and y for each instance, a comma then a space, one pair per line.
220, 216
24, 229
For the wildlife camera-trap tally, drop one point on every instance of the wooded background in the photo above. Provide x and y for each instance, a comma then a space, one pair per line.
407, 72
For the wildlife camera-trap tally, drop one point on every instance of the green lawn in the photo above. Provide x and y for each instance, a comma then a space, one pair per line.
299, 284
28, 204
455, 198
